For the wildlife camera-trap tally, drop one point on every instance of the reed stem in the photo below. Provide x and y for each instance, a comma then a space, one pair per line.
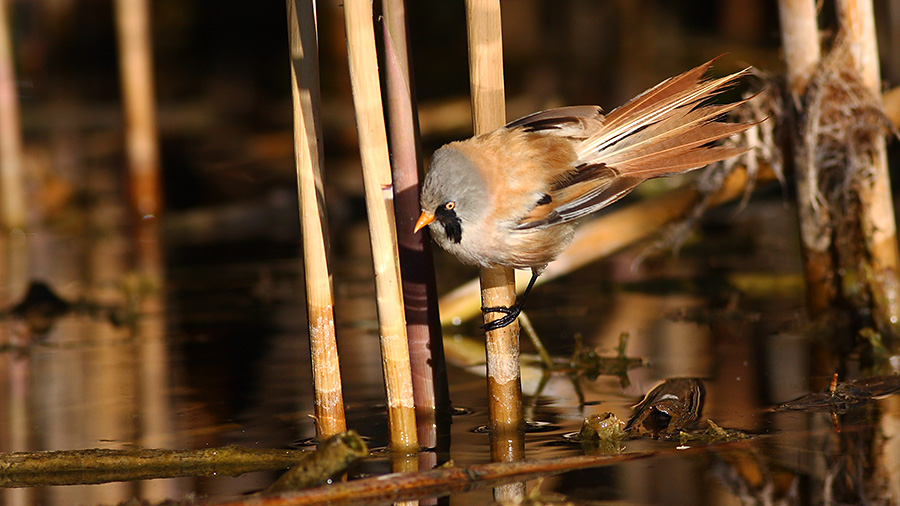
13, 213
12, 178
136, 75
876, 218
498, 286
380, 207
426, 350
800, 40
304, 53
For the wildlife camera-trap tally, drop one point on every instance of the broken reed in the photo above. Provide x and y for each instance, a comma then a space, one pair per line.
800, 41
380, 209
498, 284
846, 216
881, 259
304, 64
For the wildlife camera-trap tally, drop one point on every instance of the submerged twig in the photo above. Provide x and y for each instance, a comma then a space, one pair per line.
840, 397
70, 467
449, 480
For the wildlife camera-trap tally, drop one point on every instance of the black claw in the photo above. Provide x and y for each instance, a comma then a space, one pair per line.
501, 309
511, 314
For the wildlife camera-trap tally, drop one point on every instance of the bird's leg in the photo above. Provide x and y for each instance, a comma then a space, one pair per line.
510, 313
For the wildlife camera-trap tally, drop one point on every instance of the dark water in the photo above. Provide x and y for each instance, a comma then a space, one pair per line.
223, 359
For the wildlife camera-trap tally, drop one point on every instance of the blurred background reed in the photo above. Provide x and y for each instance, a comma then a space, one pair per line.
211, 369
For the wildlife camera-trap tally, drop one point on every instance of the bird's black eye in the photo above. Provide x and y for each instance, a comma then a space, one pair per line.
450, 205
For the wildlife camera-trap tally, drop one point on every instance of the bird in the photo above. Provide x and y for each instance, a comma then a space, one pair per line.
511, 197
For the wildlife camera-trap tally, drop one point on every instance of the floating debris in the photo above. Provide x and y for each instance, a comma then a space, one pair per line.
840, 397
713, 434
668, 408
40, 307
602, 434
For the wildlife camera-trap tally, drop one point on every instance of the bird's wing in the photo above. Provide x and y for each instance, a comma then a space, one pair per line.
665, 130
588, 190
575, 122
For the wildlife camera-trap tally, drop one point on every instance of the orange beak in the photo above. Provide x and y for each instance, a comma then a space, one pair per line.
424, 219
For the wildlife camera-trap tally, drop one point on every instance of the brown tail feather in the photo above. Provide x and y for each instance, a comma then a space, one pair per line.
673, 103
665, 130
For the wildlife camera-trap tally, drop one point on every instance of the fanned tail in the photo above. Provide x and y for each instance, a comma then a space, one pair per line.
666, 129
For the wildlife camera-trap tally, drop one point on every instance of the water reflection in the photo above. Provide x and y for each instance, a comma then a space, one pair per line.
219, 356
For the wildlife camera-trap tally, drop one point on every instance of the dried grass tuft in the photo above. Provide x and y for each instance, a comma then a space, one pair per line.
843, 120
842, 124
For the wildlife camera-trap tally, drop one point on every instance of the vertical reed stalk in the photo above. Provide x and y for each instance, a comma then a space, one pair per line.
426, 349
136, 74
380, 208
800, 40
876, 205
13, 214
498, 284
12, 179
304, 53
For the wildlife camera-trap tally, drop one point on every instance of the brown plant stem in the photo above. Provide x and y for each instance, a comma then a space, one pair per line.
429, 370
380, 208
876, 218
13, 213
12, 178
303, 40
800, 40
497, 283
891, 100
141, 138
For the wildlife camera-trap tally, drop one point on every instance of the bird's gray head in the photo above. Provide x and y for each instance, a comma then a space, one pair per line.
455, 193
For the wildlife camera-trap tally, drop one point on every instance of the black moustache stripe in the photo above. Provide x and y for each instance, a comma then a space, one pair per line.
451, 223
